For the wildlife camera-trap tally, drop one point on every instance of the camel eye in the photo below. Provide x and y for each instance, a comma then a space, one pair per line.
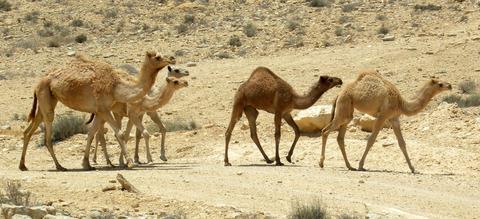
158, 58
175, 82
441, 85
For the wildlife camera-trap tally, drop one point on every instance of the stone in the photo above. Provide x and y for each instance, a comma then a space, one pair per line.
37, 212
313, 119
191, 64
71, 53
366, 123
388, 38
5, 127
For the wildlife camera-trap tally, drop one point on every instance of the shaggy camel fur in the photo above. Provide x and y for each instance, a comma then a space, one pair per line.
88, 86
266, 91
372, 94
159, 96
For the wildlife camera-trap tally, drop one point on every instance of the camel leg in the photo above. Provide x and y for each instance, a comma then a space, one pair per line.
341, 143
94, 159
107, 116
27, 135
252, 114
278, 124
288, 118
236, 115
138, 136
96, 125
101, 138
156, 119
371, 140
141, 131
401, 142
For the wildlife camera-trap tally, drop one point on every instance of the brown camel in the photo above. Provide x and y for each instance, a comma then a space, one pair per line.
266, 91
120, 111
148, 104
372, 94
88, 86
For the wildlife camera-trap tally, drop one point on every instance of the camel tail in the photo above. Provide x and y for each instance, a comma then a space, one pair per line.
31, 116
91, 118
333, 109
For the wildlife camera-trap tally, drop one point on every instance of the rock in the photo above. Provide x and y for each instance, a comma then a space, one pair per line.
191, 64
239, 173
313, 119
19, 216
366, 123
136, 205
112, 181
388, 38
5, 127
37, 212
71, 53
109, 188
361, 181
386, 144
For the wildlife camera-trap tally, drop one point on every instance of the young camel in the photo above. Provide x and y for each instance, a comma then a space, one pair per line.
149, 104
88, 86
372, 94
266, 91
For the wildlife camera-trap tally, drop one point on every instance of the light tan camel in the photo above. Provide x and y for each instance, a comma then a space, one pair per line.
149, 104
88, 86
266, 91
372, 94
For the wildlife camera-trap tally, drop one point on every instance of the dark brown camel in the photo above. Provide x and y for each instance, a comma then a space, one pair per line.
266, 91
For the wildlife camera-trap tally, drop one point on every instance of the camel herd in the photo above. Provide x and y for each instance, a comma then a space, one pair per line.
110, 94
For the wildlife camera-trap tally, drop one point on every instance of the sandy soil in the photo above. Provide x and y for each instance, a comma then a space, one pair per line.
442, 141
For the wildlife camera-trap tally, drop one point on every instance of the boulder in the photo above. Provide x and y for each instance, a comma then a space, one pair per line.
313, 119
366, 123
37, 212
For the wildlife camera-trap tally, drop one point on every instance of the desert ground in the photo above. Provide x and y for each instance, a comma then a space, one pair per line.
442, 140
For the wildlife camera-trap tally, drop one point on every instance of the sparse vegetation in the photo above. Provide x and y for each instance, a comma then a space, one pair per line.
175, 125
308, 211
81, 38
77, 23
294, 41
427, 7
189, 19
14, 194
179, 52
5, 5
463, 101
468, 87
349, 7
381, 17
383, 30
235, 41
339, 31
250, 30
224, 55
65, 126
54, 42
344, 19
292, 24
182, 28
17, 117
32, 16
111, 13
320, 3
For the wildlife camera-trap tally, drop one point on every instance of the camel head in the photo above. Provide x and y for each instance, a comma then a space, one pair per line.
156, 61
328, 82
176, 83
177, 72
437, 86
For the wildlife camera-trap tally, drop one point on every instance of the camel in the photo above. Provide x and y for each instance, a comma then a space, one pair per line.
88, 86
149, 104
370, 93
266, 91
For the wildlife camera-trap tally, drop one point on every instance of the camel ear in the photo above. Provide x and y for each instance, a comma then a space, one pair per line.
433, 81
168, 79
169, 68
323, 78
151, 54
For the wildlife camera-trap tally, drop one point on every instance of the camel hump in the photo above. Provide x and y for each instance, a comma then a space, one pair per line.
366, 72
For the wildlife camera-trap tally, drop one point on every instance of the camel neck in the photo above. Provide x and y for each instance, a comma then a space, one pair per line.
147, 76
159, 98
417, 104
303, 102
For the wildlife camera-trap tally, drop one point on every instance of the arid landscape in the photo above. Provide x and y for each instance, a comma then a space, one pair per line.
220, 43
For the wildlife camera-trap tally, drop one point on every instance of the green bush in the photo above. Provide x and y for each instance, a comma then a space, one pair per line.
5, 5
313, 210
250, 30
468, 87
65, 126
235, 41
81, 38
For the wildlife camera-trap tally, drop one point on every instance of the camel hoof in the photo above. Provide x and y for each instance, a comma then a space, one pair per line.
163, 158
361, 169
289, 159
320, 164
352, 169
227, 164
269, 161
22, 167
130, 164
278, 163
